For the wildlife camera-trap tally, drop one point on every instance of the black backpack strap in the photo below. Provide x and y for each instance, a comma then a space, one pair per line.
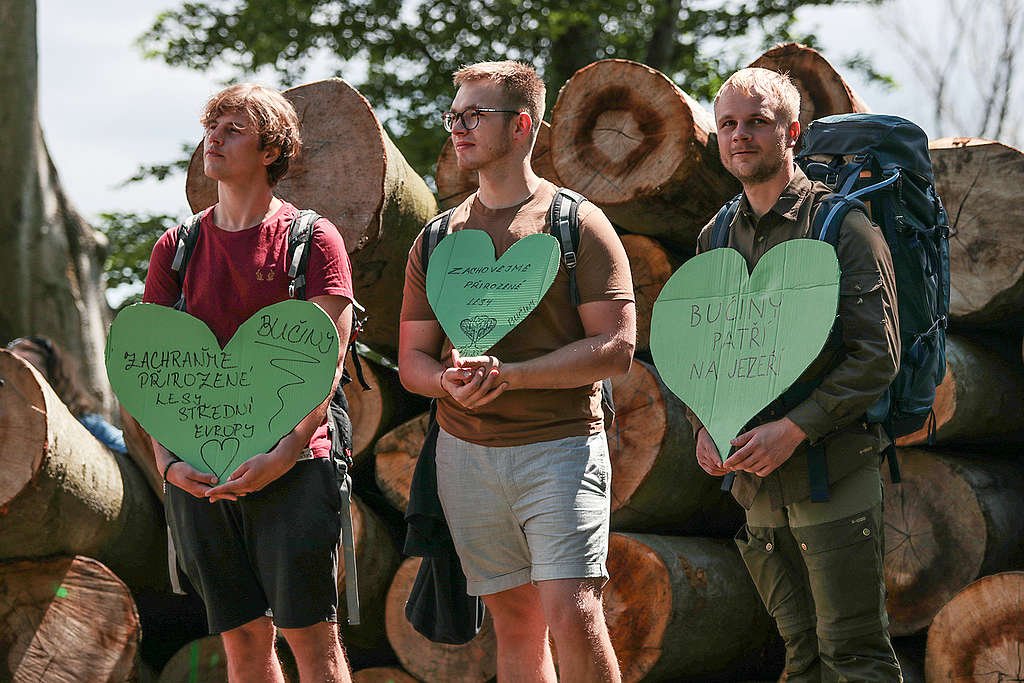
434, 231
300, 241
563, 217
188, 235
300, 237
720, 230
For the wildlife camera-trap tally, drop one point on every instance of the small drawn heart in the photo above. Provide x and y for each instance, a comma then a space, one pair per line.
477, 299
220, 455
477, 327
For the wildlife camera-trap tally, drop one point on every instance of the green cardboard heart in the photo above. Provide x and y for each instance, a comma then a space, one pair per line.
479, 300
728, 343
217, 408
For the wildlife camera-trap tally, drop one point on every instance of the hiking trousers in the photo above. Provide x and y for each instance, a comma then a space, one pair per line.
818, 569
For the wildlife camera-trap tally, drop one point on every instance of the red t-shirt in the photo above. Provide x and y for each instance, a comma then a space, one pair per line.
231, 275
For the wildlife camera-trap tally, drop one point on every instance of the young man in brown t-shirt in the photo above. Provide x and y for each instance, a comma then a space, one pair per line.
522, 462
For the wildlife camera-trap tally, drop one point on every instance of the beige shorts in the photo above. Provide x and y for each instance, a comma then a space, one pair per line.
526, 513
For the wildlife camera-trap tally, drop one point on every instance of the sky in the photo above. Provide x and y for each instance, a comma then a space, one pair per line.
105, 110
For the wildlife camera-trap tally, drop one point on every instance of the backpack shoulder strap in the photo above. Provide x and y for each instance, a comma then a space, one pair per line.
720, 230
563, 217
435, 231
188, 235
300, 237
829, 214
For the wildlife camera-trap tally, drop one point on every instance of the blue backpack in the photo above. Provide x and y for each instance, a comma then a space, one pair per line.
880, 165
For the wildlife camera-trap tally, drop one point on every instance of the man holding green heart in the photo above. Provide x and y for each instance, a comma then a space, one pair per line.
817, 565
522, 462
265, 541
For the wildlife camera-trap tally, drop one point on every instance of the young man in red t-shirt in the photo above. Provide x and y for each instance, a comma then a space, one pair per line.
265, 541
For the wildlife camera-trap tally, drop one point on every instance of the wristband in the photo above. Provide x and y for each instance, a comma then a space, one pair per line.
174, 460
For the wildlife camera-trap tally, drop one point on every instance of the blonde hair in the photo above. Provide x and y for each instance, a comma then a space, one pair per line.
775, 89
273, 116
523, 88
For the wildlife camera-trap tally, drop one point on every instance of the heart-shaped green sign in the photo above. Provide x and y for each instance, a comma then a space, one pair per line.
728, 343
479, 300
217, 408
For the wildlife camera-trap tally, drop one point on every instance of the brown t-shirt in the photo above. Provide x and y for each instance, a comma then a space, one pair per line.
526, 416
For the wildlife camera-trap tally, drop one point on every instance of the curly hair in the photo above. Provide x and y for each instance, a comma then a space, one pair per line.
61, 372
275, 119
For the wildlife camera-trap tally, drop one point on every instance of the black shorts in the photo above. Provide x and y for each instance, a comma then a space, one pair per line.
270, 553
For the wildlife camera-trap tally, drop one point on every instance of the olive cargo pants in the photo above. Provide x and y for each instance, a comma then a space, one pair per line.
818, 569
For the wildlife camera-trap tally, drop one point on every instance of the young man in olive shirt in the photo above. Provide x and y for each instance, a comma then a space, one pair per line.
817, 565
522, 463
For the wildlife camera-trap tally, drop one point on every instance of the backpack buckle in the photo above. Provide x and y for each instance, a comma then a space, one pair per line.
570, 259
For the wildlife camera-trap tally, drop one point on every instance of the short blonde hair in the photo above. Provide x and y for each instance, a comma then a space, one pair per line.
776, 90
523, 88
273, 116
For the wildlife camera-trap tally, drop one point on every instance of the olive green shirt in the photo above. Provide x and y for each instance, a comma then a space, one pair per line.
856, 367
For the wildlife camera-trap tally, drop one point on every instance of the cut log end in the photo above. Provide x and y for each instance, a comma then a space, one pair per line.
823, 91
979, 634
975, 179
396, 454
626, 130
651, 266
935, 535
637, 599
473, 662
382, 674
23, 425
66, 619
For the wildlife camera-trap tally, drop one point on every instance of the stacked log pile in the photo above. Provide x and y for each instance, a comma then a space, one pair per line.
679, 604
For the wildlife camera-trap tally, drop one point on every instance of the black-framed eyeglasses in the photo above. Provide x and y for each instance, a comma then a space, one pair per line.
471, 117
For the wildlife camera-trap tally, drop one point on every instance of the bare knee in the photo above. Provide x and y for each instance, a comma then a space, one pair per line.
250, 639
516, 612
573, 607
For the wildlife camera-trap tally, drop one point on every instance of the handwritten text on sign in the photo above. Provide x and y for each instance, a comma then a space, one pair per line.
727, 342
214, 407
477, 299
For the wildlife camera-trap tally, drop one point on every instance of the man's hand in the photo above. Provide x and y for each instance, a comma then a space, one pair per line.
473, 381
707, 455
764, 449
253, 474
189, 479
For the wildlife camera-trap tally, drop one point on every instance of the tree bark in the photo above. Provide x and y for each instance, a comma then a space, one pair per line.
656, 482
473, 662
651, 265
979, 634
949, 521
382, 674
455, 184
351, 173
976, 180
823, 92
640, 148
65, 620
63, 492
51, 260
377, 560
683, 609
980, 400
